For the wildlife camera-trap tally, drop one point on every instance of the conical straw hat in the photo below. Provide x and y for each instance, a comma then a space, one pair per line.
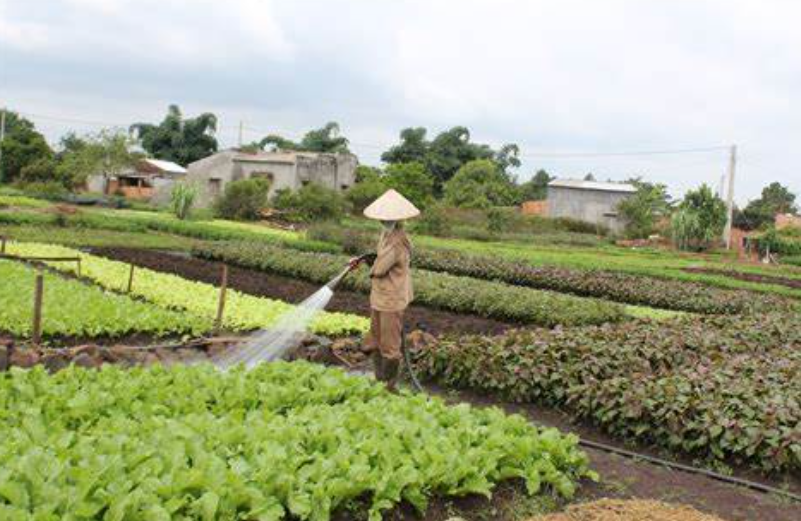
391, 206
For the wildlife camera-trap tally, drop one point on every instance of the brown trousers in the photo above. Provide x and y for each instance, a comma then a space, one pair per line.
386, 333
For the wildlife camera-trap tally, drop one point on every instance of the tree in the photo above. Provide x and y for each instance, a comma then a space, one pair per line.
447, 152
107, 153
480, 184
589, 177
699, 221
413, 181
412, 148
508, 157
775, 199
325, 139
177, 139
536, 188
22, 146
642, 210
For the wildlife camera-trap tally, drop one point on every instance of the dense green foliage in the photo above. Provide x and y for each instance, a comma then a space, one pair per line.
761, 212
447, 152
92, 237
22, 146
620, 287
310, 203
179, 139
281, 441
106, 153
698, 223
243, 199
72, 309
536, 188
243, 312
643, 210
480, 184
325, 139
440, 290
723, 388
413, 181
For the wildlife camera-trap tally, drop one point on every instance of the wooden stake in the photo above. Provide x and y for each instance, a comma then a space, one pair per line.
2, 245
221, 303
130, 278
79, 266
37, 308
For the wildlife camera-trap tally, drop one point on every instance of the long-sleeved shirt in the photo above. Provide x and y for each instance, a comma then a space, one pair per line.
391, 273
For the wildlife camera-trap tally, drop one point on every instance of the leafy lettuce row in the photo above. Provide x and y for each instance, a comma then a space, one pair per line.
283, 440
242, 313
73, 309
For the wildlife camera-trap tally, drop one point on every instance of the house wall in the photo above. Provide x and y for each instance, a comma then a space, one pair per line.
214, 172
593, 206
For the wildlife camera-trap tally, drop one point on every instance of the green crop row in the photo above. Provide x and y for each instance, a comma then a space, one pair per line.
20, 201
617, 286
73, 309
242, 313
134, 221
440, 290
285, 440
721, 388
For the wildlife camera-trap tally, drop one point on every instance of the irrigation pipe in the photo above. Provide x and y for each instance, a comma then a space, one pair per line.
690, 469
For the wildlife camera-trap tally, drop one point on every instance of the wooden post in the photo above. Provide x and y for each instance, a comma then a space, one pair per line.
130, 278
37, 308
79, 266
221, 303
2, 245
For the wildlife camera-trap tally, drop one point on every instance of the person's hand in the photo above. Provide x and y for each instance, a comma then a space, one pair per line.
354, 262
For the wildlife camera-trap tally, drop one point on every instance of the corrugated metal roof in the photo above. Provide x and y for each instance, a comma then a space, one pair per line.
166, 166
580, 184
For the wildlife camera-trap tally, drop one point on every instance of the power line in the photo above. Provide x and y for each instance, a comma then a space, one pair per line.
529, 155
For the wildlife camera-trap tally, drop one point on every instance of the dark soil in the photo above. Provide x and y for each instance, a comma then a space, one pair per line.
292, 290
750, 277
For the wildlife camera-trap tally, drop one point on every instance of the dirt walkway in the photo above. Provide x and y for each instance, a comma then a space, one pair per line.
292, 290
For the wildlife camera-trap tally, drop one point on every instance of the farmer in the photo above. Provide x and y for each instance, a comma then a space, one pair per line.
391, 289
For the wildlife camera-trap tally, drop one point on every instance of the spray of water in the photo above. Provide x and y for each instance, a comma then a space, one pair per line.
271, 344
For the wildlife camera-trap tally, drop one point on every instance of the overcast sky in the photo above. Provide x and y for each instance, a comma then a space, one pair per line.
554, 76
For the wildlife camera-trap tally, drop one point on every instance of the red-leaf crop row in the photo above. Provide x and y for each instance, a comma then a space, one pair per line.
617, 286
723, 388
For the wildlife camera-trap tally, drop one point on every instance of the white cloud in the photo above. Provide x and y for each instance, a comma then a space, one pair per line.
570, 75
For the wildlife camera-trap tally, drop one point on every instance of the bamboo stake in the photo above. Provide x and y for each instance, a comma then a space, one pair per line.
130, 278
37, 308
221, 303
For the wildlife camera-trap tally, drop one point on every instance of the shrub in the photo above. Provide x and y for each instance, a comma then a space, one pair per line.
360, 195
182, 197
312, 202
480, 184
499, 220
434, 221
413, 181
438, 290
699, 221
51, 191
352, 241
244, 199
714, 387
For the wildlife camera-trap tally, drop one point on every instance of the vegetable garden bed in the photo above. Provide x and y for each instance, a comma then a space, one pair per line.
722, 388
283, 439
243, 312
440, 290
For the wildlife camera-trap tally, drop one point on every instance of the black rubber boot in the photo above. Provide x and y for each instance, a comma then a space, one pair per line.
391, 370
378, 365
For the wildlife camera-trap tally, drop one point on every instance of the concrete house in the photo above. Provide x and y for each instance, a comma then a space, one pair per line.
589, 201
284, 169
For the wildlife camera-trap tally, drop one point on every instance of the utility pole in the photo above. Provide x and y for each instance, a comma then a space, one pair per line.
730, 197
241, 125
2, 137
